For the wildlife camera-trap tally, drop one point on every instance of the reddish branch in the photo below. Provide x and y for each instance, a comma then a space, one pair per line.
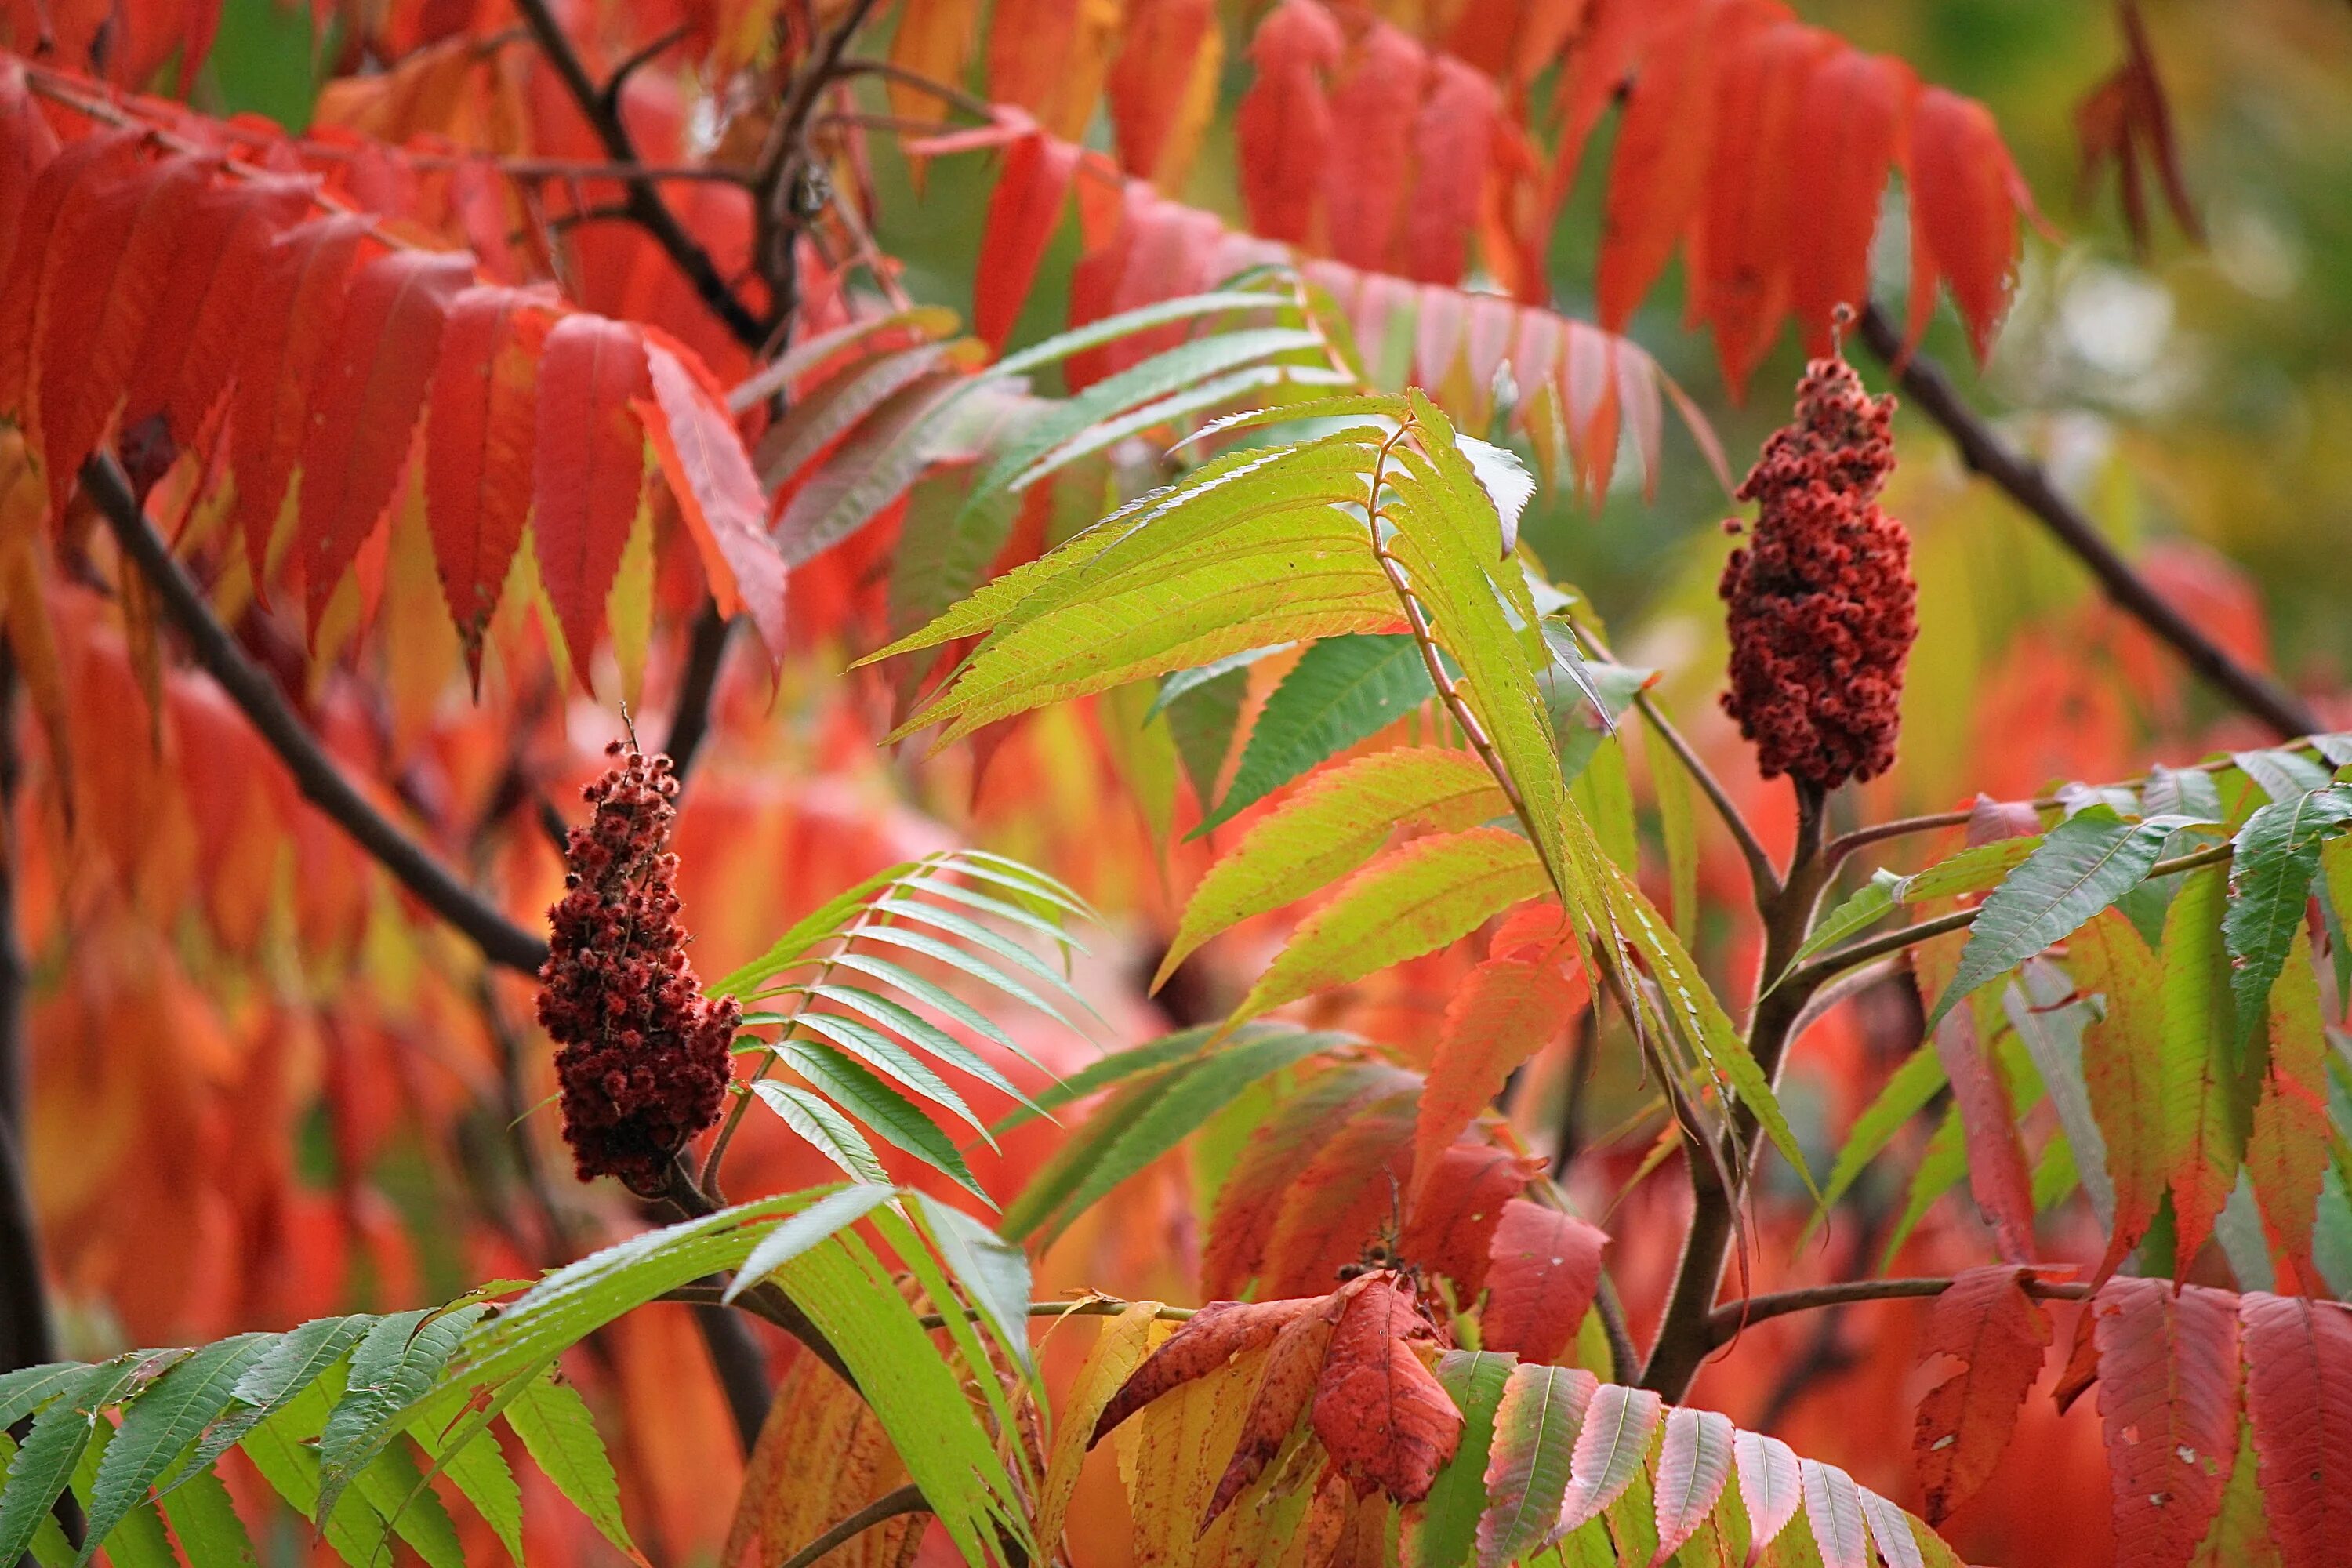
2025, 481
1726, 1320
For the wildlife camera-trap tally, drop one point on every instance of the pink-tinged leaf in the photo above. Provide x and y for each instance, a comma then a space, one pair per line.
1535, 1428
1772, 1486
1023, 213
1284, 122
1382, 1416
702, 457
1284, 1143
1451, 139
1616, 1440
1694, 1462
2286, 1148
1498, 1018
370, 393
1833, 1508
1849, 118
2108, 958
1365, 192
291, 328
477, 451
1964, 208
1451, 1223
2299, 1400
1995, 1336
2169, 1378
589, 472
1892, 1531
1644, 411
97, 310
1545, 1270
1589, 393
1343, 1198
194, 336
1998, 1176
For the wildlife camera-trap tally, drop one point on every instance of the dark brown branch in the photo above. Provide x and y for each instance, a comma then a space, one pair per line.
1728, 1320
890, 1505
690, 723
946, 92
316, 774
2025, 481
645, 204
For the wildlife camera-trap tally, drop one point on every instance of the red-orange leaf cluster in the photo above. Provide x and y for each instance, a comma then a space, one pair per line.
1355, 1357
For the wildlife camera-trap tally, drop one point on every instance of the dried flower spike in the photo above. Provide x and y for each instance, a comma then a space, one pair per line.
1823, 608
643, 1059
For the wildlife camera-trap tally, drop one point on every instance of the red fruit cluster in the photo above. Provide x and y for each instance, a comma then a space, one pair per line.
644, 1063
1824, 609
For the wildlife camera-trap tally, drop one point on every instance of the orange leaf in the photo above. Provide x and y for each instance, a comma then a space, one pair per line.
1499, 1017
2168, 1402
67, 181
477, 454
2286, 1148
370, 392
1995, 1336
1152, 78
1210, 1339
1964, 203
1348, 1192
1848, 117
1024, 211
1293, 1367
703, 457
1660, 159
1382, 1416
1546, 1272
589, 472
1454, 1218
1284, 124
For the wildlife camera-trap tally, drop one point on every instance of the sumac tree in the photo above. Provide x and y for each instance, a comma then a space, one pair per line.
1170, 852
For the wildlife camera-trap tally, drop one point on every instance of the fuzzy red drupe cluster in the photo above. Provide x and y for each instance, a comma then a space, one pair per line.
1823, 608
644, 1058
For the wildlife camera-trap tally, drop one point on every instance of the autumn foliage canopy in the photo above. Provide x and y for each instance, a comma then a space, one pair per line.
819, 782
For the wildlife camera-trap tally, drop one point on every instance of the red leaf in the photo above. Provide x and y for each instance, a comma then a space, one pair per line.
364, 412
2286, 1148
1964, 208
26, 144
296, 303
97, 310
1660, 160
1499, 1017
1283, 123
718, 494
1545, 1273
1023, 213
1453, 140
1148, 83
67, 182
1386, 1422
1606, 50
1351, 1189
477, 461
1454, 1218
2109, 957
1285, 1385
590, 471
2299, 1400
1252, 1197
1210, 1339
1848, 118
192, 337
1997, 1335
2168, 1401
1364, 191
1998, 1174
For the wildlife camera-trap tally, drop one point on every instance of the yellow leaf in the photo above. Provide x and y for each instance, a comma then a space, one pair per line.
1172, 1456
1118, 1350
821, 1454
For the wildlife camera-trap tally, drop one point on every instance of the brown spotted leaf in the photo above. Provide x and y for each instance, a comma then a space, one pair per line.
1286, 1384
1212, 1337
1382, 1415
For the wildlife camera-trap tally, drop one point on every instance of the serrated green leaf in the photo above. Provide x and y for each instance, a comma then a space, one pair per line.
1342, 690
45, 1463
164, 1422
279, 1375
965, 963
395, 1490
799, 1232
28, 1388
137, 1539
2082, 866
1678, 829
1003, 909
1335, 824
1176, 686
872, 468
933, 995
1347, 405
1106, 1071
879, 1050
2190, 790
477, 1467
1126, 324
1870, 903
1972, 870
881, 1109
205, 1524
913, 909
560, 1434
2336, 877
1416, 897
392, 1367
922, 1033
2204, 1125
50, 1548
1475, 1381
280, 1448
1906, 1093
944, 546
1942, 1166
1536, 1425
1144, 1126
993, 1273
2276, 857
821, 924
1200, 721
1198, 392
823, 1129
2281, 775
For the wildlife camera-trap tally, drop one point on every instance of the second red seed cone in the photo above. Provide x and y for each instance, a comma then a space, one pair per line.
1822, 606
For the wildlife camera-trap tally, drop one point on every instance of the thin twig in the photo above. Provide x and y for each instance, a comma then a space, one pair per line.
316, 774
908, 1499
1728, 1320
946, 92
2027, 483
706, 648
